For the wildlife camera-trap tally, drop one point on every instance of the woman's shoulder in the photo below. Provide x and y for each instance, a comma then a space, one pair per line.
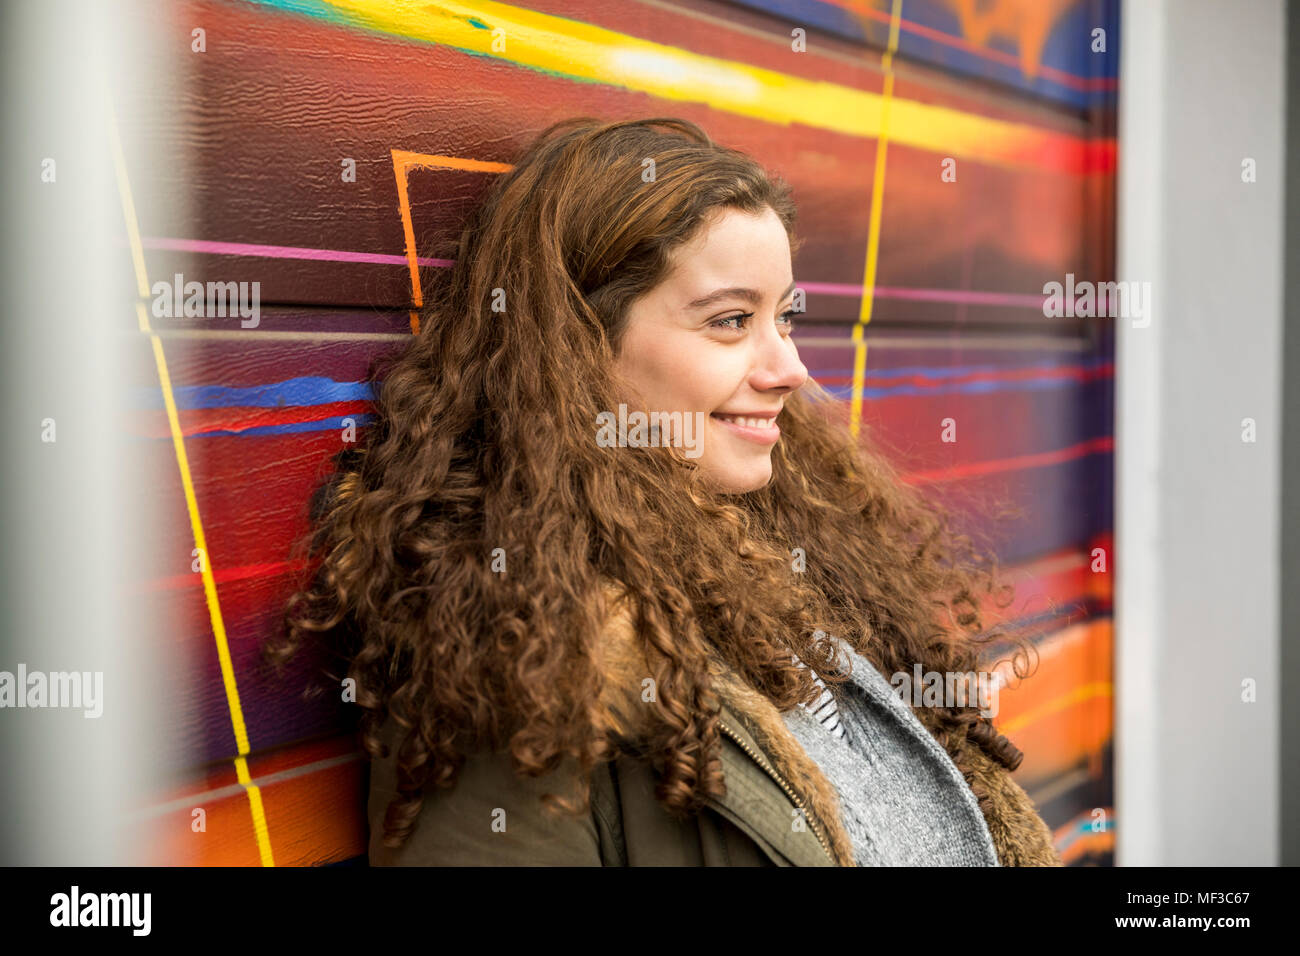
491, 816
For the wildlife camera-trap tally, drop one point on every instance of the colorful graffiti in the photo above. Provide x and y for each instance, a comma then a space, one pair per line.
948, 158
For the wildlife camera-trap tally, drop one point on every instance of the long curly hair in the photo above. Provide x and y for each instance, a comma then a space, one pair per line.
459, 553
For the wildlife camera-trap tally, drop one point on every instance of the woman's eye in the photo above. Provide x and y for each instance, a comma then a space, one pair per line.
788, 316
743, 317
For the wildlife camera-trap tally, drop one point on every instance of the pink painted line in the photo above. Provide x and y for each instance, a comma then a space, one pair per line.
849, 289
281, 252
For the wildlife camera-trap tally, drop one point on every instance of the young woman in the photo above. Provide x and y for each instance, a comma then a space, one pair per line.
581, 636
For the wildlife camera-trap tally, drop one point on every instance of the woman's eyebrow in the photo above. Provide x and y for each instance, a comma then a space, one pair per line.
752, 296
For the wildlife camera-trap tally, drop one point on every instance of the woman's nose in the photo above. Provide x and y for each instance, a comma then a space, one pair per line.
778, 365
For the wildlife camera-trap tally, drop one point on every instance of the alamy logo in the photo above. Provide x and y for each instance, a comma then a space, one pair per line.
1116, 300
651, 430
948, 689
102, 909
192, 300
60, 689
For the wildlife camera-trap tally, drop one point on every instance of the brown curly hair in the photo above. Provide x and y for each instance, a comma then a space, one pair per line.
483, 440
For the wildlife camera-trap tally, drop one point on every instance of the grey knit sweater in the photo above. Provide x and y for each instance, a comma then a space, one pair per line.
902, 799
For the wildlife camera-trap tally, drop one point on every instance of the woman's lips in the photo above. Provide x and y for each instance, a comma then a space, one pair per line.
767, 434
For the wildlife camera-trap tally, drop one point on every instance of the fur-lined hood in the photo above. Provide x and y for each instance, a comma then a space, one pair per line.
1019, 834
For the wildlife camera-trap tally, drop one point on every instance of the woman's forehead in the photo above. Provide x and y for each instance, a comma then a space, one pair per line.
740, 251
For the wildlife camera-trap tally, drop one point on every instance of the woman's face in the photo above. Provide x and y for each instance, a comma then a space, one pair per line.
714, 338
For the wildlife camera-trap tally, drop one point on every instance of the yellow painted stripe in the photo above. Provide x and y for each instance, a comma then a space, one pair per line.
191, 501
590, 53
873, 231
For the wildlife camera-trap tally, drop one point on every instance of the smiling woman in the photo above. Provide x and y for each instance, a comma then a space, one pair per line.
680, 352
575, 651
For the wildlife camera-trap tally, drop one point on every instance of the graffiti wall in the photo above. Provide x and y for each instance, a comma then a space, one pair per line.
950, 159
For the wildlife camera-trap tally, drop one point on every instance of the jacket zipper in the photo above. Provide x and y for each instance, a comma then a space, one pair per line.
794, 797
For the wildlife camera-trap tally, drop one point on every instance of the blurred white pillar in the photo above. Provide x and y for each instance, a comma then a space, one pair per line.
71, 539
1197, 508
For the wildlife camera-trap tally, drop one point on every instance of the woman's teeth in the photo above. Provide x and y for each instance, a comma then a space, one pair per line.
746, 422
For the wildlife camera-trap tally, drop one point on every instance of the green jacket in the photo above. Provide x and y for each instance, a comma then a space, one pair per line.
778, 810
755, 824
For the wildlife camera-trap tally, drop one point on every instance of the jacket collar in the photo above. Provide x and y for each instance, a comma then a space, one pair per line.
750, 720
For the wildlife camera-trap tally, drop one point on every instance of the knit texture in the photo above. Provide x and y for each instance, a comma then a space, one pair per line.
902, 799
824, 708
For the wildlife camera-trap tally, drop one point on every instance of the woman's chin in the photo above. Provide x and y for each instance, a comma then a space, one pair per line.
737, 478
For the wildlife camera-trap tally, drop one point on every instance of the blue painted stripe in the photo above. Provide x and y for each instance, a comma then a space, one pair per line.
325, 424
294, 392
320, 425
